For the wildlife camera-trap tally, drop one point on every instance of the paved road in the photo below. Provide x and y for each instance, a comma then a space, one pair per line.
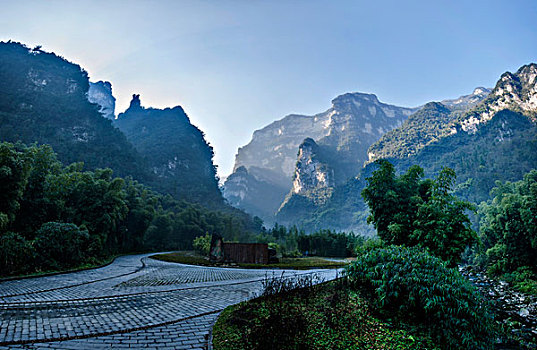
136, 302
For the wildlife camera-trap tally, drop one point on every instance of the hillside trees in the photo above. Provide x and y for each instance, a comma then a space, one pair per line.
57, 217
408, 210
509, 226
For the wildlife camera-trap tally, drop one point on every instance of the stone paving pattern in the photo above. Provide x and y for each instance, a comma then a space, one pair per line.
135, 302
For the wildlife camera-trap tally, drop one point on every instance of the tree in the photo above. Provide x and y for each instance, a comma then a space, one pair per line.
202, 244
408, 210
508, 225
60, 245
14, 171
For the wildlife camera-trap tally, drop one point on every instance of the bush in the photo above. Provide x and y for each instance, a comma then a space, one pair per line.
417, 287
59, 245
16, 254
202, 244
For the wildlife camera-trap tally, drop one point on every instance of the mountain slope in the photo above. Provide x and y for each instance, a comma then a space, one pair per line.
344, 132
496, 140
175, 150
43, 99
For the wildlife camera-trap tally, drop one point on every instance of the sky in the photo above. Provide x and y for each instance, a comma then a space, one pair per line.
236, 66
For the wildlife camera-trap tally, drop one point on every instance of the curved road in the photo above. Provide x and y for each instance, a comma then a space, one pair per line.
135, 302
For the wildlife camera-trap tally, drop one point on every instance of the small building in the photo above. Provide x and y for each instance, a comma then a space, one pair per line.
248, 253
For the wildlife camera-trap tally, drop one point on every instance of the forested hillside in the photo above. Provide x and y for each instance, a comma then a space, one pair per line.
43, 99
175, 150
56, 217
494, 141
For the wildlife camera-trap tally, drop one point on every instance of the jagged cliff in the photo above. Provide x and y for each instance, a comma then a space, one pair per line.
495, 140
100, 93
175, 150
344, 131
514, 91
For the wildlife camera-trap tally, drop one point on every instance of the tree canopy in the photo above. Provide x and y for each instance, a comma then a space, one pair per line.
412, 211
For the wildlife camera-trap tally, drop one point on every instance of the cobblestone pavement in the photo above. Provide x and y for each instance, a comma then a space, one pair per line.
136, 302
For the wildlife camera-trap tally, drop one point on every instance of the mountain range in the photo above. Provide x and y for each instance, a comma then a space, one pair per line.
46, 99
485, 136
344, 132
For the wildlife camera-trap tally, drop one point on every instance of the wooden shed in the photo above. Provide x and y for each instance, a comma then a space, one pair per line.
249, 253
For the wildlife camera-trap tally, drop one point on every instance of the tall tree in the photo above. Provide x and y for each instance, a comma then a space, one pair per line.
408, 210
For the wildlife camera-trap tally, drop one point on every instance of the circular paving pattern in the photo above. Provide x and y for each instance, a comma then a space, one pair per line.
134, 302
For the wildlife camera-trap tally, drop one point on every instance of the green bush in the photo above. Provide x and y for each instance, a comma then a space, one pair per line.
16, 254
414, 286
59, 245
202, 244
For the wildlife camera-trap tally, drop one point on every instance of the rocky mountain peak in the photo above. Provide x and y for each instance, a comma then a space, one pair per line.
135, 104
348, 100
481, 91
466, 102
514, 91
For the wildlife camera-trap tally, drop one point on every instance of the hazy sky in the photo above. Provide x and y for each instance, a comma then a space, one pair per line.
236, 66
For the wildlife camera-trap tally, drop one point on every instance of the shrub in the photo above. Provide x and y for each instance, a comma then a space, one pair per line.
419, 288
202, 244
16, 254
59, 245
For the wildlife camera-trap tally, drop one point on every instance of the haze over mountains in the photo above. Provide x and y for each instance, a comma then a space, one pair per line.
49, 100
485, 136
303, 170
344, 132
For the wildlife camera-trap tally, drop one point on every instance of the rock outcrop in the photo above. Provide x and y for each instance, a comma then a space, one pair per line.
344, 131
100, 93
516, 92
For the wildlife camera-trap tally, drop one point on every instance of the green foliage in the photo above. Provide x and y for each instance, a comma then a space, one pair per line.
327, 243
409, 210
175, 150
292, 242
508, 228
60, 245
16, 254
43, 99
48, 210
14, 169
329, 316
418, 287
202, 244
422, 128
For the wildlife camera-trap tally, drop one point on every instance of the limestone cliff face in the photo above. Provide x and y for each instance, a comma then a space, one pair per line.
516, 92
101, 94
345, 131
312, 178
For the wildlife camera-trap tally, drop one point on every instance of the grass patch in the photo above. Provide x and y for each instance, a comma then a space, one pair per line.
183, 257
98, 263
327, 316
192, 258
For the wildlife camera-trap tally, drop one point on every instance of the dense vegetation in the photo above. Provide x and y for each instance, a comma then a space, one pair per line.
56, 217
329, 316
408, 210
422, 290
508, 232
294, 242
175, 150
43, 99
420, 129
